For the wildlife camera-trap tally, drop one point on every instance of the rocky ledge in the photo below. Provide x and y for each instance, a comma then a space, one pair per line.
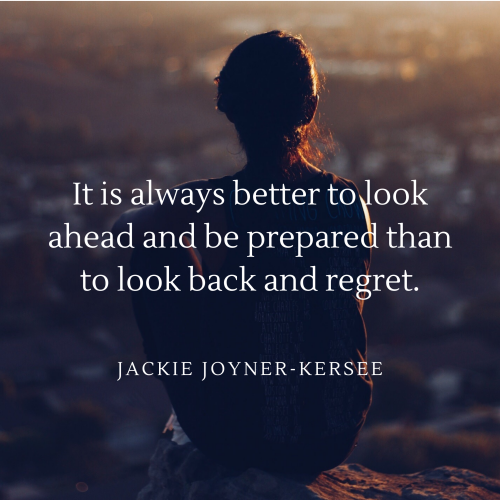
183, 473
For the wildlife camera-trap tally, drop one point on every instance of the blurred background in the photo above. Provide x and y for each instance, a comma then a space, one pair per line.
123, 93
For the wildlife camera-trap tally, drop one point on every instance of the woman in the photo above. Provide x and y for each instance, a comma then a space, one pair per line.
288, 420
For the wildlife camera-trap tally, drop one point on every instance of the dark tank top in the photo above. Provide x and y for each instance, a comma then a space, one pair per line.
293, 422
243, 418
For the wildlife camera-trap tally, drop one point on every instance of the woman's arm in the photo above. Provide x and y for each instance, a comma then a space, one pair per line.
367, 218
361, 303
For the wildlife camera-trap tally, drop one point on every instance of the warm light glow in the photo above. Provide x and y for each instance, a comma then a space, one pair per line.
408, 69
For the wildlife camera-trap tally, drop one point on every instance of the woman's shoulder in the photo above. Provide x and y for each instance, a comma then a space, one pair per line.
225, 181
340, 182
195, 184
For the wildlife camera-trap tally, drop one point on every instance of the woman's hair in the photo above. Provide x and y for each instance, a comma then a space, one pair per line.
268, 88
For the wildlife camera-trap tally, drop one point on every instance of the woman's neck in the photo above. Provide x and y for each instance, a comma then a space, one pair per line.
299, 171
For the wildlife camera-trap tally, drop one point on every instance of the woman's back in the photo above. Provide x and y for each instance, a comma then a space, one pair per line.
277, 421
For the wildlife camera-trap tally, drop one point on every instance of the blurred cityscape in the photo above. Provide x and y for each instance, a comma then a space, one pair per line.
122, 93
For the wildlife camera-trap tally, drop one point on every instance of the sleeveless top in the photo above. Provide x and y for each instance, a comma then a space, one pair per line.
278, 421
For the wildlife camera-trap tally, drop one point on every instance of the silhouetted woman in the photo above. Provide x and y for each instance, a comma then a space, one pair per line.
289, 420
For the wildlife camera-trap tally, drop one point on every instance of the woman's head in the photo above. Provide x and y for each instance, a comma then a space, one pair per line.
269, 89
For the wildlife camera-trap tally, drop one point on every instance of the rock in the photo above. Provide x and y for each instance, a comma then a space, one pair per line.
184, 473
